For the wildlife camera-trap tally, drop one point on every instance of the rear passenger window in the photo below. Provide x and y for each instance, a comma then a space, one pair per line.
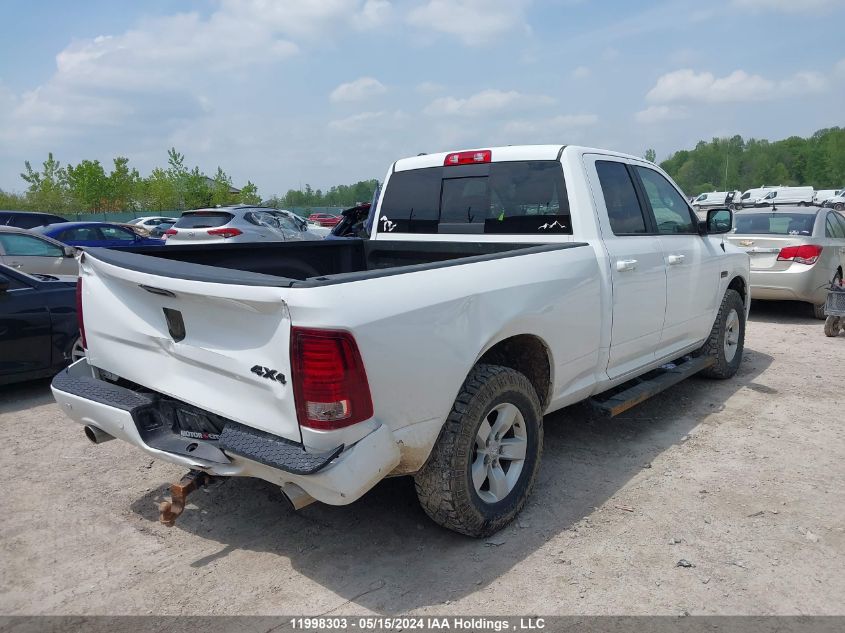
620, 197
833, 228
671, 213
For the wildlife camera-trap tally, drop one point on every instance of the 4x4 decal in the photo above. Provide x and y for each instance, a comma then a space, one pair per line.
271, 374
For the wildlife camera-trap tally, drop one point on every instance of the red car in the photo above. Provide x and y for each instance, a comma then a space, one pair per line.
324, 219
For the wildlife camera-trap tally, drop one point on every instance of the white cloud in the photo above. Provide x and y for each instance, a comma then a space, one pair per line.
161, 66
550, 126
688, 85
660, 114
474, 22
429, 87
788, 6
358, 90
582, 72
485, 102
355, 122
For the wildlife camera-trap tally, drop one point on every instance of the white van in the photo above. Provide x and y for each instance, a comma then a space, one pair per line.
789, 195
823, 194
750, 197
714, 199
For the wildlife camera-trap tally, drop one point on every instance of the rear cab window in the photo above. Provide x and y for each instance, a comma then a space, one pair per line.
515, 197
203, 219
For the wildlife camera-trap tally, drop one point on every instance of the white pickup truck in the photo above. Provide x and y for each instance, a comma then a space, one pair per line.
499, 285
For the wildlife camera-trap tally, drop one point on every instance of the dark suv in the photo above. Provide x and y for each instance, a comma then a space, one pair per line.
28, 219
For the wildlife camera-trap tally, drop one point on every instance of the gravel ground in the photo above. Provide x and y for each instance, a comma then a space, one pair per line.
743, 479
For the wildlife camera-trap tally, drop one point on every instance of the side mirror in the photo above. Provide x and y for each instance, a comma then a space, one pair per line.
69, 251
5, 282
718, 221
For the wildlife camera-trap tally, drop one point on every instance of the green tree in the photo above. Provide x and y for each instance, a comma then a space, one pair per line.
650, 155
249, 194
87, 185
221, 188
122, 185
197, 193
47, 189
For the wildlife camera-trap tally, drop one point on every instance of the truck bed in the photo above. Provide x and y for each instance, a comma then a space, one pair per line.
308, 264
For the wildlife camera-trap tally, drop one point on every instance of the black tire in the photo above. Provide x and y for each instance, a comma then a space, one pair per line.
444, 485
715, 344
832, 325
839, 206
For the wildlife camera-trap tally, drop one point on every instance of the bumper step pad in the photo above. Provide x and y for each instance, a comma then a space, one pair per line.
101, 391
238, 439
272, 450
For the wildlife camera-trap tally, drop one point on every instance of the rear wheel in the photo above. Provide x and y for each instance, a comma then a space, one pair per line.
481, 471
77, 352
727, 338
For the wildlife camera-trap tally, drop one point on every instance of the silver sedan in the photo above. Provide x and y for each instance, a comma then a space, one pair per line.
35, 254
795, 252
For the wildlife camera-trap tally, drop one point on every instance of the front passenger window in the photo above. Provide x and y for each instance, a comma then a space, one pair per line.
671, 212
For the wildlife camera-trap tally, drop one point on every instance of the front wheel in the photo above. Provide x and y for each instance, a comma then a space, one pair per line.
481, 471
727, 338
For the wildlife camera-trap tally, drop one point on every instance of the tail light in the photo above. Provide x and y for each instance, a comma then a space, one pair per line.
804, 254
468, 158
329, 382
224, 233
170, 232
79, 312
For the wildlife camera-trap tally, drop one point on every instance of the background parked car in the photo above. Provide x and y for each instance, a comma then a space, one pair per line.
152, 221
39, 331
28, 219
836, 202
30, 253
104, 234
161, 229
795, 252
788, 195
324, 219
821, 195
238, 224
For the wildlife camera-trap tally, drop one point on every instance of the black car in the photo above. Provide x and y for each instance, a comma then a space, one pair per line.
39, 331
28, 219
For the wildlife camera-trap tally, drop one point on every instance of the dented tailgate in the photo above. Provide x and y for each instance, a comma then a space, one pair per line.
222, 347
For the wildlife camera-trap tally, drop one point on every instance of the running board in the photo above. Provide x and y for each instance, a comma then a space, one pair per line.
629, 394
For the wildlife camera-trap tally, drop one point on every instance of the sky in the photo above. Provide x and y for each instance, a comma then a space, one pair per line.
325, 92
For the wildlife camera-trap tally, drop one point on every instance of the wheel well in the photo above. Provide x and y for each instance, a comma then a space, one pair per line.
738, 284
528, 355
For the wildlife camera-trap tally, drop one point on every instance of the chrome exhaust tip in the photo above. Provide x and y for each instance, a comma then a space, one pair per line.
96, 435
296, 496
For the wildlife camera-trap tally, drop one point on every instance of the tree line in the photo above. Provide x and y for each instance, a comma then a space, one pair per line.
726, 164
720, 164
87, 187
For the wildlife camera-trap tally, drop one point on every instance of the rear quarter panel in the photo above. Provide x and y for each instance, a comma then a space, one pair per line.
420, 333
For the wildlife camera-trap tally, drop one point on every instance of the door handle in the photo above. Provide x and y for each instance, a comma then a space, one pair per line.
16, 264
623, 265
673, 260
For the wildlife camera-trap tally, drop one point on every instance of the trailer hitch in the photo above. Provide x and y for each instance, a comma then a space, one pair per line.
169, 511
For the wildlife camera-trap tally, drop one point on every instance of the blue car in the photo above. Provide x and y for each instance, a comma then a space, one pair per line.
102, 234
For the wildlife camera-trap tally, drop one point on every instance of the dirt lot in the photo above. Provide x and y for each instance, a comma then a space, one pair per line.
744, 479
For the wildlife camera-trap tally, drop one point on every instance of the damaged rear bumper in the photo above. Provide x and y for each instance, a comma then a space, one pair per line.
338, 476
